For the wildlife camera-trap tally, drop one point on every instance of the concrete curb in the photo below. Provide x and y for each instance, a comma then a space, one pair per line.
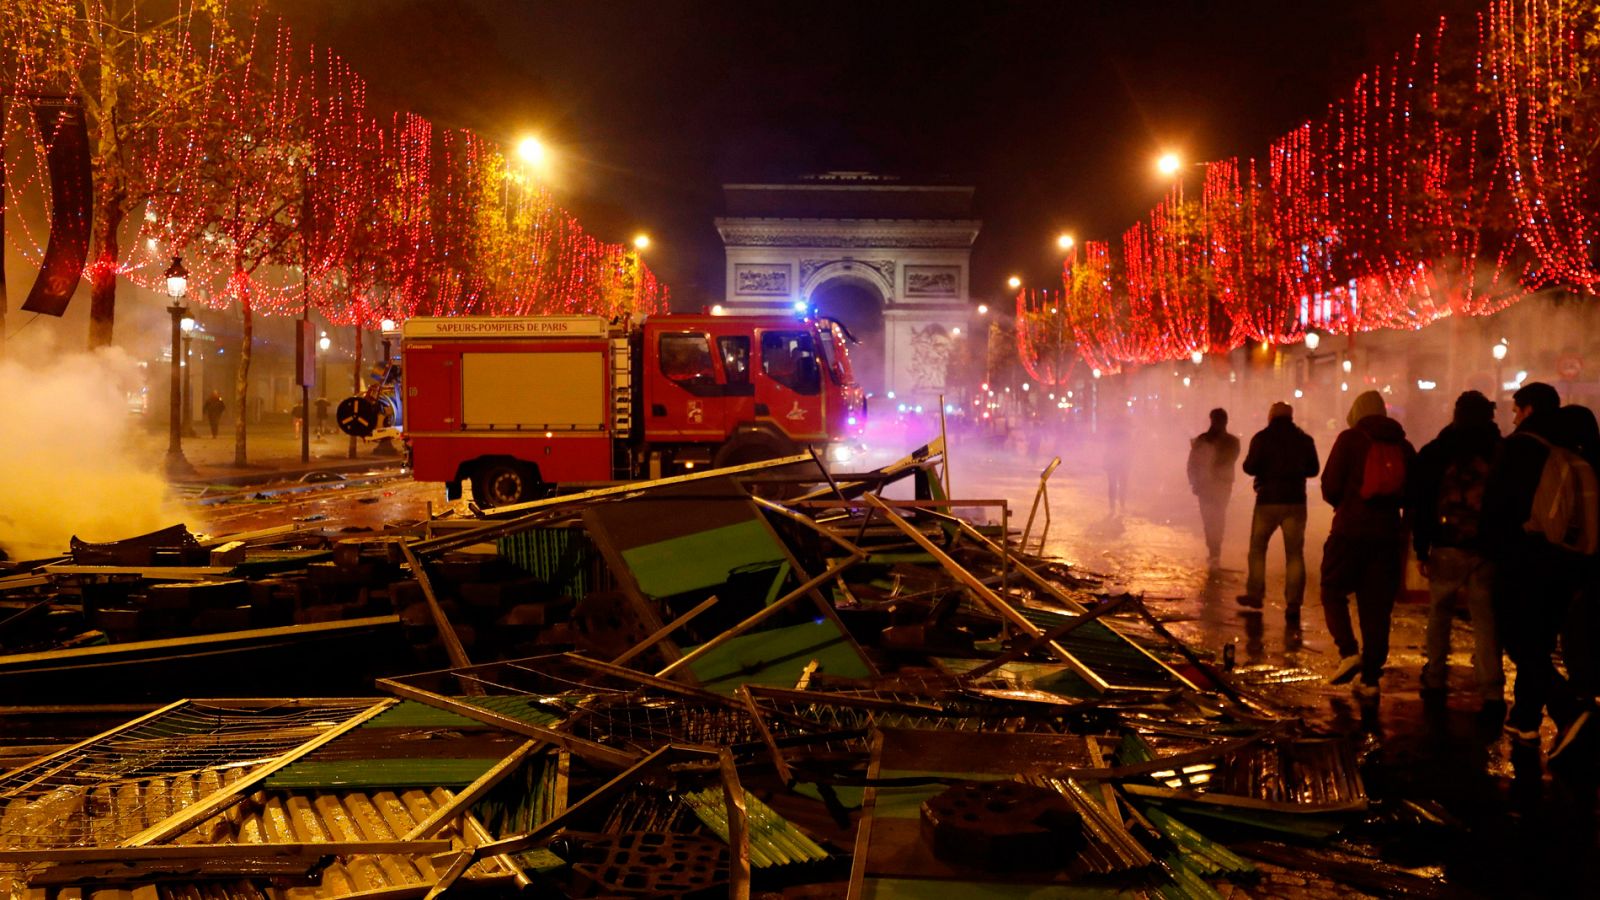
268, 473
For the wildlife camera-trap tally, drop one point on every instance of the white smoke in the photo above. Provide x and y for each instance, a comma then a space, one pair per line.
72, 461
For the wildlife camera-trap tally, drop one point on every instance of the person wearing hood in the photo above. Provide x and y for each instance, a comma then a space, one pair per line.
1211, 457
1364, 480
1280, 460
1446, 504
1534, 580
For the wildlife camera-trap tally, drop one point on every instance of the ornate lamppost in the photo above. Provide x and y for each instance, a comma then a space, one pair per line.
177, 285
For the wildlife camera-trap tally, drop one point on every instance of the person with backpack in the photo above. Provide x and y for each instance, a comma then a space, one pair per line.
1280, 460
1364, 480
1446, 504
1212, 454
1580, 633
1535, 521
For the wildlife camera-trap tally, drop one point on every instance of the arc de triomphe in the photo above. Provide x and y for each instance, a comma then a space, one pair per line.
889, 260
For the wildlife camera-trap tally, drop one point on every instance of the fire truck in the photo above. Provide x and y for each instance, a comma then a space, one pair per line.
519, 405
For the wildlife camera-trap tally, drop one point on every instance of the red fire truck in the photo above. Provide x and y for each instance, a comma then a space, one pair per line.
517, 405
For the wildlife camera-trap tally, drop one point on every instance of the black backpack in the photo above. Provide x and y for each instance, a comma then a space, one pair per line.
1461, 500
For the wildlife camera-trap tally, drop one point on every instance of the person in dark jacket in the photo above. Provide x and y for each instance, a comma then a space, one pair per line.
1366, 548
1446, 504
1280, 460
1534, 580
1212, 454
1580, 633
212, 409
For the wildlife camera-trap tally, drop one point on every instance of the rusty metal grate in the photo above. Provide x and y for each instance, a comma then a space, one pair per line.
105, 790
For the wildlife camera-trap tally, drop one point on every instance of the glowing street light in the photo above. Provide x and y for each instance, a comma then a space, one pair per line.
1014, 282
1499, 352
983, 309
1169, 164
531, 151
177, 279
1313, 340
1065, 242
324, 342
177, 285
1197, 357
386, 326
641, 241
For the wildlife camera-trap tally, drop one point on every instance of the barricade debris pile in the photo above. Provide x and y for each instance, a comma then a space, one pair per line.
730, 683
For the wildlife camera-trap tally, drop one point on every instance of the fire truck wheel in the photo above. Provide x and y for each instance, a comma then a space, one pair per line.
752, 446
502, 483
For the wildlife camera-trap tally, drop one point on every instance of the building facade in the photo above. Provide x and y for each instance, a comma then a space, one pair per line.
887, 259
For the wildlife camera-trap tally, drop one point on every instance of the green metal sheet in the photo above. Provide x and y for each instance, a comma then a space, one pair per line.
777, 657
701, 560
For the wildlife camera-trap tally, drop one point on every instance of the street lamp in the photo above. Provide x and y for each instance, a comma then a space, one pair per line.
1169, 164
531, 151
187, 324
1014, 282
983, 309
641, 241
177, 285
1065, 242
1498, 351
1313, 340
1197, 357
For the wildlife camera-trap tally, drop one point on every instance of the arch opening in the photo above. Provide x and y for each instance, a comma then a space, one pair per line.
859, 305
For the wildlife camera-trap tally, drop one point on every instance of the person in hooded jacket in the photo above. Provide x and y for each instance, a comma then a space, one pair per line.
1366, 547
1446, 503
1280, 460
1534, 580
1212, 454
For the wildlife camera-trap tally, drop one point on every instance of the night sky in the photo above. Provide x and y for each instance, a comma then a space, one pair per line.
1054, 110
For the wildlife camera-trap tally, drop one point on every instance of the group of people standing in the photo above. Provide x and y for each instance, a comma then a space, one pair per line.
1508, 524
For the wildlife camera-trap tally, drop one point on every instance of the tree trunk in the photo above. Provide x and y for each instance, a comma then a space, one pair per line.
103, 271
241, 391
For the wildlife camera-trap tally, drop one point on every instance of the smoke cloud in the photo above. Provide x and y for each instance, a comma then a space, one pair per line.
73, 461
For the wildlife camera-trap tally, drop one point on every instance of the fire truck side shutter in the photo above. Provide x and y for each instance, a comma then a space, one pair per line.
548, 391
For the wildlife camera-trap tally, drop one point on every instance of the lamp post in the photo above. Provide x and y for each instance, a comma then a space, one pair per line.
1498, 351
187, 324
177, 285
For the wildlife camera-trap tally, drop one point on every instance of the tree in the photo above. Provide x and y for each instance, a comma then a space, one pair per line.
138, 70
242, 198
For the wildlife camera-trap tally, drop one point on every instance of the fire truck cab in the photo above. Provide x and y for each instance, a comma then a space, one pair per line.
518, 405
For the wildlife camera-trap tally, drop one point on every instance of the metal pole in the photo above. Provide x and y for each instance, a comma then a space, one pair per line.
188, 396
355, 378
176, 463
305, 389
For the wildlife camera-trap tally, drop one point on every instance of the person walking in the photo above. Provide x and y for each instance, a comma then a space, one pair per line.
1117, 462
212, 410
1446, 505
1580, 632
1280, 460
1364, 481
1534, 580
1212, 454
321, 406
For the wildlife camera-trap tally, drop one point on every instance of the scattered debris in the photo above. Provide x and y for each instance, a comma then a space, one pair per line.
738, 680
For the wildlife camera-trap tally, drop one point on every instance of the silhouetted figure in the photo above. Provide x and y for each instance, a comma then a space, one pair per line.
212, 410
1365, 481
1447, 488
1117, 462
1212, 455
1280, 460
